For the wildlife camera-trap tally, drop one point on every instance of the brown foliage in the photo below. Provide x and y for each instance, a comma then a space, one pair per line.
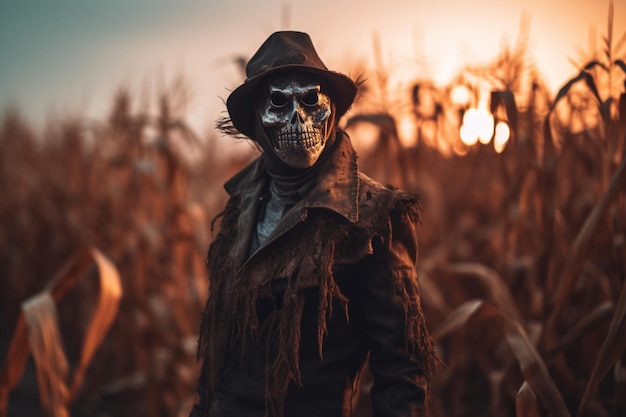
121, 186
521, 255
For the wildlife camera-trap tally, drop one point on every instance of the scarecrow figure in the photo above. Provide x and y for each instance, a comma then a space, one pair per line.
313, 271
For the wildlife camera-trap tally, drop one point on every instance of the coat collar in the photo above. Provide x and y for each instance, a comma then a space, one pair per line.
336, 189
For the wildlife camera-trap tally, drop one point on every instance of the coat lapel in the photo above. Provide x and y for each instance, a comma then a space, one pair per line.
249, 185
337, 190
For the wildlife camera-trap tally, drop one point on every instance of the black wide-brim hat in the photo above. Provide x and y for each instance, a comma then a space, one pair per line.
285, 51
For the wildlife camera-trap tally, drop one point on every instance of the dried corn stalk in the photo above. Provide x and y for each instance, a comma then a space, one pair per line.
37, 332
530, 362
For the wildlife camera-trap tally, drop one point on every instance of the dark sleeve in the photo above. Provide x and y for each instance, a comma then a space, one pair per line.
200, 407
402, 355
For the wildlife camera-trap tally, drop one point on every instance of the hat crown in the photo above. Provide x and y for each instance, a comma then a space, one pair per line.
284, 49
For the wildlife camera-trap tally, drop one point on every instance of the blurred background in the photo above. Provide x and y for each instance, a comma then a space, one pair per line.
507, 117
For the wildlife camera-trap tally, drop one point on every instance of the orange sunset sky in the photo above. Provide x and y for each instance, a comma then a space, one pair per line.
67, 57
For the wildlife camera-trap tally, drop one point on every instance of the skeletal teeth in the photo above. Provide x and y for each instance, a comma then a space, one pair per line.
290, 139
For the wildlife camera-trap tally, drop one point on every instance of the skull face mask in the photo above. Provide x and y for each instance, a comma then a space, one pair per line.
297, 117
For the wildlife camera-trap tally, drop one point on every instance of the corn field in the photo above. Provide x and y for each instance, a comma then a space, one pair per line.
105, 225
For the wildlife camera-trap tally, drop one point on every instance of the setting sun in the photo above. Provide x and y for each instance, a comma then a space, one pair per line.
66, 57
501, 136
477, 126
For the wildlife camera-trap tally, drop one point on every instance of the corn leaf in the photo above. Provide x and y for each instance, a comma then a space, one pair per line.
507, 99
582, 244
612, 349
37, 331
14, 364
526, 402
102, 317
44, 342
547, 186
590, 82
582, 75
531, 364
600, 314
496, 290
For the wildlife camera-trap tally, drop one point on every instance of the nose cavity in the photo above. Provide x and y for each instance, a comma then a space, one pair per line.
298, 115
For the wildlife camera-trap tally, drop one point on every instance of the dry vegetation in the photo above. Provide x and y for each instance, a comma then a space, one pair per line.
522, 262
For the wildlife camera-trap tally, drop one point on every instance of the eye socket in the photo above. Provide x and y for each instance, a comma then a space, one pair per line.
310, 99
278, 99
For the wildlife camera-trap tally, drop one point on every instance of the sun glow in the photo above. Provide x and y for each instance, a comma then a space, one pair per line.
501, 136
478, 125
460, 95
407, 131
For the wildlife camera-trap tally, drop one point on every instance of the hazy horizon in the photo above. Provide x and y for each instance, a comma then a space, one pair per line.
68, 58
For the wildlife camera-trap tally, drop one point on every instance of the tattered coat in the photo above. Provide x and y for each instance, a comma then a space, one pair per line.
288, 328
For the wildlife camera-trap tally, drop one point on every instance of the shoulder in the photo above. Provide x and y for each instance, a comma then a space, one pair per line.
382, 201
246, 177
387, 223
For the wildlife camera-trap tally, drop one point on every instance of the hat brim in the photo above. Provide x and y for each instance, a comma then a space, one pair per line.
241, 103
